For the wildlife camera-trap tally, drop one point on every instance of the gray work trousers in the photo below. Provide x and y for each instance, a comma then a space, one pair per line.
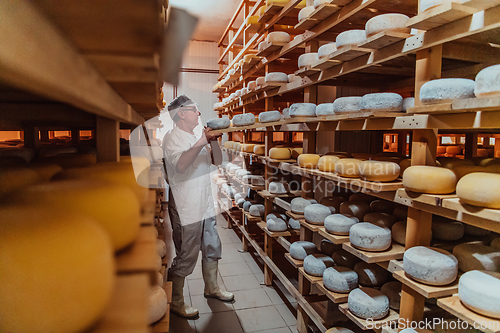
190, 239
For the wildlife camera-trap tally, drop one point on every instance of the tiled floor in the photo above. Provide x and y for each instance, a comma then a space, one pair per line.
257, 308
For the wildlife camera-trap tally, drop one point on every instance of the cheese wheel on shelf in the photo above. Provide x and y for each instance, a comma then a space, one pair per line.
347, 104
389, 102
332, 202
315, 264
247, 147
252, 85
218, 123
231, 71
475, 231
355, 208
296, 151
278, 188
392, 290
276, 77
307, 59
382, 206
480, 189
325, 109
262, 45
370, 237
258, 181
480, 292
387, 22
487, 82
326, 50
348, 167
261, 80
302, 110
269, 116
318, 3
454, 150
294, 224
408, 102
256, 210
157, 304
339, 224
298, 204
380, 219
340, 279
350, 37
327, 163
451, 162
279, 153
244, 119
316, 213
259, 149
477, 257
368, 303
446, 90
371, 275
429, 179
328, 247
430, 4
308, 161
276, 225
161, 248
238, 93
254, 19
305, 12
430, 265
361, 197
293, 77
345, 259
496, 244
447, 230
301, 249
398, 232
400, 213
379, 171
278, 37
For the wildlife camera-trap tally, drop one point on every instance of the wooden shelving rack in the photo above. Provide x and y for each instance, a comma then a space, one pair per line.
453, 41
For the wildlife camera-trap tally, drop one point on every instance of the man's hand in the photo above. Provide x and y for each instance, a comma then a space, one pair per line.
209, 136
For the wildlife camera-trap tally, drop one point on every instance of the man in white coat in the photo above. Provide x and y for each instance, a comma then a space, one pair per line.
191, 205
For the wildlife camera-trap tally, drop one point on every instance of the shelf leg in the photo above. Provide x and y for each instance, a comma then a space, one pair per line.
268, 248
305, 234
244, 240
108, 140
302, 320
412, 306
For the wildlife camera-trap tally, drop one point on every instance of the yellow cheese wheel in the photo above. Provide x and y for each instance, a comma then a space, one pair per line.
13, 179
70, 160
488, 161
296, 152
280, 153
480, 189
227, 144
247, 147
450, 163
237, 147
429, 179
379, 171
308, 161
262, 10
56, 270
114, 206
441, 150
252, 20
259, 149
463, 170
327, 163
454, 150
348, 167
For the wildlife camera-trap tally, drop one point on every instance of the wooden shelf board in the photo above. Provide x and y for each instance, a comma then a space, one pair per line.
485, 213
310, 226
306, 71
163, 325
454, 306
395, 265
281, 203
333, 296
348, 52
295, 263
313, 279
440, 15
294, 215
271, 85
272, 234
325, 63
335, 239
307, 23
459, 106
270, 11
396, 251
266, 195
269, 48
252, 218
270, 160
253, 27
426, 290
366, 325
481, 4
383, 39
323, 11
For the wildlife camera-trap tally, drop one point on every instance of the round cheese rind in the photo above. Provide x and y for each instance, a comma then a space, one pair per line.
161, 248
480, 189
332, 202
355, 208
247, 148
218, 123
371, 275
258, 181
446, 90
339, 224
328, 247
298, 204
259, 149
246, 206
256, 210
379, 171
430, 266
293, 77
447, 230
382, 206
382, 102
477, 257
254, 19
277, 188
350, 37
157, 304
496, 244
280, 153
315, 264
326, 50
276, 77
261, 80
429, 179
296, 152
276, 225
340, 279
243, 119
301, 249
327, 163
308, 161
475, 231
345, 259
392, 290
325, 109
487, 82
387, 22
380, 219
302, 110
318, 3
348, 167
370, 237
278, 37
294, 224
480, 292
398, 232
307, 59
316, 213
408, 102
269, 116
368, 303
305, 12
252, 85
347, 104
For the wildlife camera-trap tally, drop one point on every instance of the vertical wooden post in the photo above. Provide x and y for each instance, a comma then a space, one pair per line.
428, 67
268, 248
31, 137
230, 54
75, 135
471, 145
44, 136
107, 139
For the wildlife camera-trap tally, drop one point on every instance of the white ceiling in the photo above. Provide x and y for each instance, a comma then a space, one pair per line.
214, 16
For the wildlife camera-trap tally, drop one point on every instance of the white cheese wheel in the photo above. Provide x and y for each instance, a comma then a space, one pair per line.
276, 77
496, 244
355, 208
302, 110
429, 4
238, 93
256, 210
286, 112
350, 37
244, 91
429, 179
477, 257
480, 292
370, 237
348, 167
298, 204
316, 213
447, 230
340, 279
325, 109
430, 266
247, 148
157, 304
392, 290
339, 224
301, 249
274, 216
252, 85
408, 102
233, 169
239, 174
243, 119
240, 202
480, 189
308, 161
307, 59
261, 80
293, 77
161, 248
258, 181
318, 3
218, 123
294, 224
278, 188
371, 275
332, 201
380, 219
280, 153
387, 22
259, 149
446, 90
327, 163
231, 71
379, 171
345, 259
328, 247
347, 104
398, 232
246, 206
315, 264
159, 279
368, 303
276, 225
262, 45
326, 50
382, 102
305, 12
269, 116
278, 37
487, 82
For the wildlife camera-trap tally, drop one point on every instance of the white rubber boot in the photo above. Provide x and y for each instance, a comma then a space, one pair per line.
177, 306
212, 290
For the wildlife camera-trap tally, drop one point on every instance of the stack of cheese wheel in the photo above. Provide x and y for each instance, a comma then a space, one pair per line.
278, 37
308, 161
446, 90
480, 292
276, 153
348, 167
327, 163
429, 179
487, 82
387, 23
301, 249
480, 189
350, 38
379, 171
307, 59
430, 266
